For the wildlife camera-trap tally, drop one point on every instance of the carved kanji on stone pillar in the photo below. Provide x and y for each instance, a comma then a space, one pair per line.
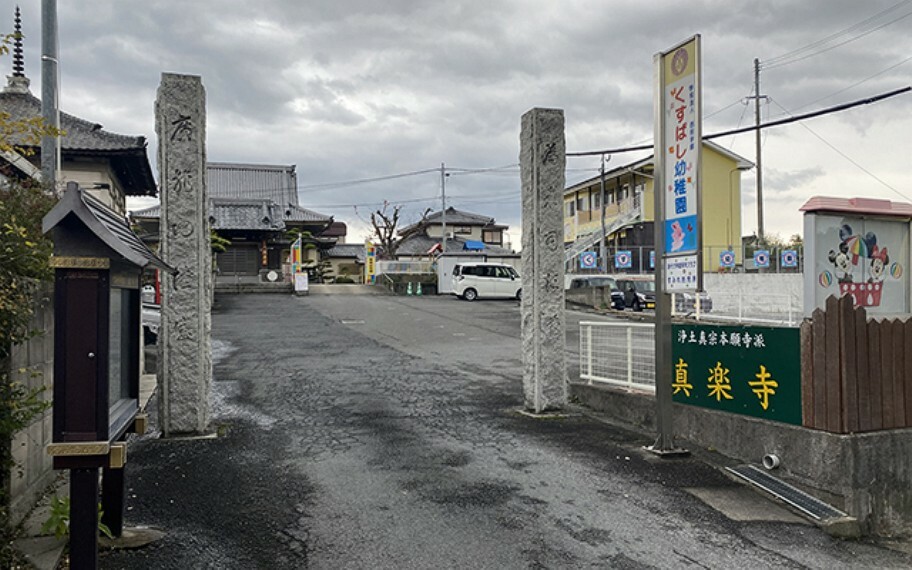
185, 370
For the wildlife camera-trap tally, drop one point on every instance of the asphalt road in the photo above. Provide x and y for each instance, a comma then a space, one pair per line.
382, 432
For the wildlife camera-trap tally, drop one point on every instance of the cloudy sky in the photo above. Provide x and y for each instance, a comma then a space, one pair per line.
362, 89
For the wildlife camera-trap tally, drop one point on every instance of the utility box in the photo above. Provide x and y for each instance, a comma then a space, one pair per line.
98, 264
858, 247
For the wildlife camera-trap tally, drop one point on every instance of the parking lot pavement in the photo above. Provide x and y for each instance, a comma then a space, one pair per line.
383, 432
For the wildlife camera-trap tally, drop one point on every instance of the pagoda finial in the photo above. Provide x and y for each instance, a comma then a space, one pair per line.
17, 82
18, 62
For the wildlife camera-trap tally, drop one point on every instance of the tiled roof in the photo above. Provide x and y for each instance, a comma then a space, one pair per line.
80, 134
348, 250
290, 213
295, 213
150, 212
109, 226
127, 154
233, 214
278, 183
457, 217
420, 244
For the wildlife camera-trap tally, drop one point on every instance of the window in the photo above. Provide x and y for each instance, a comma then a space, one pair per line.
597, 201
463, 230
581, 203
492, 236
570, 208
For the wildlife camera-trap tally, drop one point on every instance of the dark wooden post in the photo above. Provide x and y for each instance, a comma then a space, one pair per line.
84, 518
112, 499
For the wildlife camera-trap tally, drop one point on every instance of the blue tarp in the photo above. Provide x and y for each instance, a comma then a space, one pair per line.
473, 246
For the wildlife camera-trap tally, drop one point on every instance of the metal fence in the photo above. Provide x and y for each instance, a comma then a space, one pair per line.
617, 353
757, 307
721, 258
408, 267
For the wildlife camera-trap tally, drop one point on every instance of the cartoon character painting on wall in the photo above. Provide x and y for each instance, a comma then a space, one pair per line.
861, 266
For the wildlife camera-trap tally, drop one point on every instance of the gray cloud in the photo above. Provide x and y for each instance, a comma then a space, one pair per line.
357, 89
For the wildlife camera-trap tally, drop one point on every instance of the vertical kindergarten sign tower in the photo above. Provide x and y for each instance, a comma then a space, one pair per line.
678, 231
185, 370
542, 162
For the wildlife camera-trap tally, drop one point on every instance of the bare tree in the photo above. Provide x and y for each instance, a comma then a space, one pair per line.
385, 224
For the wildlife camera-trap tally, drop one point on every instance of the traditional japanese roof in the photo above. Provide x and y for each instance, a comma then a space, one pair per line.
456, 217
127, 154
239, 214
278, 183
107, 225
290, 213
295, 213
355, 250
420, 244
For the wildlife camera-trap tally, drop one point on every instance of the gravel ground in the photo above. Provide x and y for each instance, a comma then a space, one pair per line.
383, 432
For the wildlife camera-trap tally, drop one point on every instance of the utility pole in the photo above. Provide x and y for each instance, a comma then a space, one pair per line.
757, 98
50, 72
443, 243
602, 252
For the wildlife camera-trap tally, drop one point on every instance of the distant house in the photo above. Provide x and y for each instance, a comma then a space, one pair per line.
347, 260
466, 232
254, 206
109, 166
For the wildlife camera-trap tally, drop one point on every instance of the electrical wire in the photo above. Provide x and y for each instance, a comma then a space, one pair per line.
845, 156
820, 112
795, 56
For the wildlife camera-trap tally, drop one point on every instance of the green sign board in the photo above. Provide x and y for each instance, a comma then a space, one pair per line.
754, 371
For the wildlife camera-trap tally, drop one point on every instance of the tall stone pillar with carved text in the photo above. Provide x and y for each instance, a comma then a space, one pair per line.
185, 369
542, 160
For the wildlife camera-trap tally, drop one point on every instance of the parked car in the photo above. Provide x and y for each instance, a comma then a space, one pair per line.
586, 281
639, 294
687, 302
486, 280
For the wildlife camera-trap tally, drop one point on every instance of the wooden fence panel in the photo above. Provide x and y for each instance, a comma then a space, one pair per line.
908, 367
856, 373
818, 378
807, 374
874, 378
847, 370
886, 370
832, 366
862, 359
899, 374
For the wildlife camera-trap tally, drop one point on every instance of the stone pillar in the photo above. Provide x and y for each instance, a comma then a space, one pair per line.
542, 162
185, 369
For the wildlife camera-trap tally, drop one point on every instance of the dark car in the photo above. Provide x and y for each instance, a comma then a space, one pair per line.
638, 294
587, 281
687, 302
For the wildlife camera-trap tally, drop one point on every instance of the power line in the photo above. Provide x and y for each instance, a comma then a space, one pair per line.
800, 54
825, 111
332, 185
852, 86
845, 156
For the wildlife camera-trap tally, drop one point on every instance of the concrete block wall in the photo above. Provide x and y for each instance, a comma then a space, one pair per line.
867, 475
33, 471
759, 292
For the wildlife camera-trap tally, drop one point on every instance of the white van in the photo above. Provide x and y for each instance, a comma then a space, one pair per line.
487, 280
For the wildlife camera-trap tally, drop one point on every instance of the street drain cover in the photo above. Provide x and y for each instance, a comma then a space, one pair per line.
813, 507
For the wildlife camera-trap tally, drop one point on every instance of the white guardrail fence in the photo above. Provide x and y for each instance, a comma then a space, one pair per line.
753, 307
618, 353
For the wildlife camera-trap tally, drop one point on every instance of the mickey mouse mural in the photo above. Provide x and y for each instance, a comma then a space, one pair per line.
860, 247
850, 259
